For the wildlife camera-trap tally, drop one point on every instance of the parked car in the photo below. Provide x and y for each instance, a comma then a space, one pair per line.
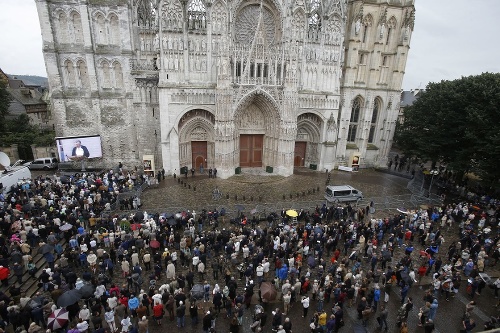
44, 163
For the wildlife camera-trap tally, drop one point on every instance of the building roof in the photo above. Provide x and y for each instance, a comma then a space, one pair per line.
26, 96
408, 97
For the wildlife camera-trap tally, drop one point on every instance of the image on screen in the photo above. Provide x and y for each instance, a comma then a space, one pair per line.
78, 148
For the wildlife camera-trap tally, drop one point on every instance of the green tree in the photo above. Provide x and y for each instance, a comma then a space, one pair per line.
5, 100
19, 131
458, 123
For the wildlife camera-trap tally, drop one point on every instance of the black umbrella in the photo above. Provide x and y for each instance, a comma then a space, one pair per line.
168, 215
239, 207
197, 292
45, 248
172, 222
139, 216
87, 291
65, 179
68, 298
87, 276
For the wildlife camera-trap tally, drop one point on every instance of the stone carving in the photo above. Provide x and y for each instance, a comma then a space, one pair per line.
146, 13
171, 15
246, 24
199, 134
219, 17
251, 118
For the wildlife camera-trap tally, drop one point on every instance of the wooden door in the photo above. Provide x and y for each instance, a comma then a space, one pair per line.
198, 153
251, 150
299, 154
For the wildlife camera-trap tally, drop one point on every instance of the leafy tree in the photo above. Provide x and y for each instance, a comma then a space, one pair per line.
19, 131
458, 123
5, 100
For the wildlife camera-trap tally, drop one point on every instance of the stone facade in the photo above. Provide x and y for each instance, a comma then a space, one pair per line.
229, 84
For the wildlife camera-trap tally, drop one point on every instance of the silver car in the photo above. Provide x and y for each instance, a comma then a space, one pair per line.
44, 163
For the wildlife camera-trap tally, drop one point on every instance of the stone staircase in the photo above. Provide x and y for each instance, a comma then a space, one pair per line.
30, 284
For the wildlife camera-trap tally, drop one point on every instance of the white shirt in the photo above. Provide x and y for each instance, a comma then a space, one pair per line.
79, 151
305, 302
112, 302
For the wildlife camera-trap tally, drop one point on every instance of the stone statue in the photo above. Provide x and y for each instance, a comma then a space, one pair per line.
176, 62
357, 26
224, 66
406, 33
382, 30
156, 42
170, 43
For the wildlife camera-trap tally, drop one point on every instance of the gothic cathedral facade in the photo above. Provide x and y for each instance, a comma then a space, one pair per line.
229, 83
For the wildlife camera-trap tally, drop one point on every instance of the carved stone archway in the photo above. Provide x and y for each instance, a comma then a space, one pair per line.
257, 116
196, 131
309, 130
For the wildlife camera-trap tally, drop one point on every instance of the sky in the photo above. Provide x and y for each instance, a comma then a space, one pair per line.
452, 38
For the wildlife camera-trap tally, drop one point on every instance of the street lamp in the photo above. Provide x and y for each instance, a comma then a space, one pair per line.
433, 173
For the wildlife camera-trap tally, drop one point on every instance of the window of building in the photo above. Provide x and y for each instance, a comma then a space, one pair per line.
376, 108
197, 15
353, 121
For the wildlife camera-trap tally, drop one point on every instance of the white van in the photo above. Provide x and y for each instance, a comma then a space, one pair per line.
342, 193
17, 175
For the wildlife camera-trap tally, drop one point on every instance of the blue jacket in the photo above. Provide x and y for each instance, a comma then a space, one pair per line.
133, 303
433, 309
283, 272
376, 295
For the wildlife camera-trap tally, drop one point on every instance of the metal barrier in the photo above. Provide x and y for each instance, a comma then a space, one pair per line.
384, 204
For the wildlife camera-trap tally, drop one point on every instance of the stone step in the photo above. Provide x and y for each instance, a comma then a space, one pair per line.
30, 284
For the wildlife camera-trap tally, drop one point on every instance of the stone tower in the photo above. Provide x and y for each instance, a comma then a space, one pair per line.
377, 42
228, 84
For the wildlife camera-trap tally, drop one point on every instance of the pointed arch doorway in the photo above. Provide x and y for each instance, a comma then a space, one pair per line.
257, 130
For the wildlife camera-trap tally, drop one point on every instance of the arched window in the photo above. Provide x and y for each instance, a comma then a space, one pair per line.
62, 28
114, 30
106, 75
353, 122
376, 108
197, 19
76, 26
118, 73
100, 29
219, 17
391, 27
70, 73
83, 75
314, 26
367, 23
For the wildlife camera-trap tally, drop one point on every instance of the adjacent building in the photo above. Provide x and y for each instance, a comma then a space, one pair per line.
237, 84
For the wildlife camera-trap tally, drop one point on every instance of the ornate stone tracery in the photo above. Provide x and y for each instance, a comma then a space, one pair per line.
171, 15
246, 24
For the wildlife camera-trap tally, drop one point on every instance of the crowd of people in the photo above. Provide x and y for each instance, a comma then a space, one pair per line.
141, 270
